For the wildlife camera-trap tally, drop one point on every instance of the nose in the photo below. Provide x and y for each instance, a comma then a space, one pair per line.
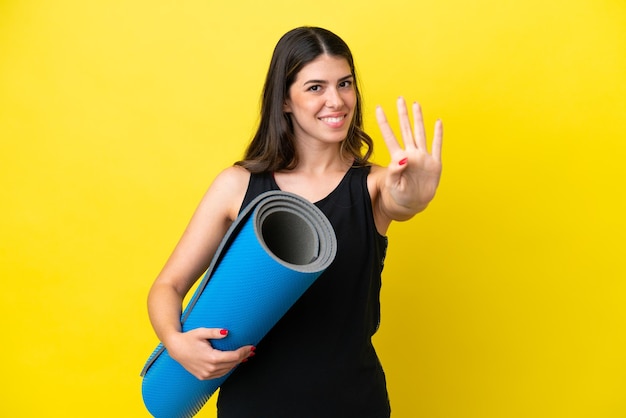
333, 99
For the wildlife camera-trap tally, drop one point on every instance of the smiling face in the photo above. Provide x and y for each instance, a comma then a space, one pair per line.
322, 100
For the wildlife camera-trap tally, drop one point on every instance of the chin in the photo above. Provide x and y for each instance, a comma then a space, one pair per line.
337, 139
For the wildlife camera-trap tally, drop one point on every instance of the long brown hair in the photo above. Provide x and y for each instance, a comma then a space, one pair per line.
272, 148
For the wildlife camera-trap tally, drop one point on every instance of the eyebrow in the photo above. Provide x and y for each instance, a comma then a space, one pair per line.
326, 81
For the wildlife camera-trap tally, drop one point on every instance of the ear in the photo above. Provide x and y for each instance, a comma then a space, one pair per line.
287, 106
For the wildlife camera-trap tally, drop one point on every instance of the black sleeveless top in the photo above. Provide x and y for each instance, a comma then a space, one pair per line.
318, 361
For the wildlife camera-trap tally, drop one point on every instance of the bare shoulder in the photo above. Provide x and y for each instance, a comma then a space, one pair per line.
228, 189
233, 177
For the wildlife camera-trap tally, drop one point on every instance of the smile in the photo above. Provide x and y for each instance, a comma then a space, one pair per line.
333, 120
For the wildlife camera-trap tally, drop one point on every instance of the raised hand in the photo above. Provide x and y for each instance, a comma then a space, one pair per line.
413, 174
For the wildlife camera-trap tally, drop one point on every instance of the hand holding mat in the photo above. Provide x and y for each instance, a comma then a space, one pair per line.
271, 254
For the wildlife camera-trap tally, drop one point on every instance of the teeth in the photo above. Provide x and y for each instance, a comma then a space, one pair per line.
333, 120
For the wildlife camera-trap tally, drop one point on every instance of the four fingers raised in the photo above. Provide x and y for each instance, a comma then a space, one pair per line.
412, 137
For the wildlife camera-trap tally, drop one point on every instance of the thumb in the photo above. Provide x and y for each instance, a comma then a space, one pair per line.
396, 167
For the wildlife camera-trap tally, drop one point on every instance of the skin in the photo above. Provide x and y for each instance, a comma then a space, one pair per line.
321, 105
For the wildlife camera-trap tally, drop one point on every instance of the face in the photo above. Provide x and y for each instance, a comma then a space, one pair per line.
321, 100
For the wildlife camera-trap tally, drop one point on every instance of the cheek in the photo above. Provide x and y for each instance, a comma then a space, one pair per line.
350, 99
298, 103
352, 105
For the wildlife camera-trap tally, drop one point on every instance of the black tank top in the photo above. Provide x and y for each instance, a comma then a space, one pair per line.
318, 361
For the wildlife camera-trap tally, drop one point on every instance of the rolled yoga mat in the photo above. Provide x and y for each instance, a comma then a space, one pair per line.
271, 254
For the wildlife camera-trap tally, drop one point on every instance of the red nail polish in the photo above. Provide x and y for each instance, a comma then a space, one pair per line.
252, 348
403, 161
224, 331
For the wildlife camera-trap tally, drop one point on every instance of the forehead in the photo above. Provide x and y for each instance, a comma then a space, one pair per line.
325, 67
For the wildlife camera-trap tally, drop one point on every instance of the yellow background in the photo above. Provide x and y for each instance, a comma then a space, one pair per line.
506, 298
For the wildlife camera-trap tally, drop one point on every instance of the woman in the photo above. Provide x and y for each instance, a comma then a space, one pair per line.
318, 361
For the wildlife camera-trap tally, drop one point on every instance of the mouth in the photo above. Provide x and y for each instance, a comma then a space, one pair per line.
332, 120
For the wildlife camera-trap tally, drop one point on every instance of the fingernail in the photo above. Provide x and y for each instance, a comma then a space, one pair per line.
403, 161
252, 353
244, 360
252, 348
224, 331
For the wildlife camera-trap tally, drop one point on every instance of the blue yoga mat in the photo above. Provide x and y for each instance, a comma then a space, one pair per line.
271, 254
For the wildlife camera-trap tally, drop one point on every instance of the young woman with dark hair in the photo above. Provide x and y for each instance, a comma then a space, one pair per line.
318, 361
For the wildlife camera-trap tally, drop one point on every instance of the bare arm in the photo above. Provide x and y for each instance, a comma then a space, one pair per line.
190, 258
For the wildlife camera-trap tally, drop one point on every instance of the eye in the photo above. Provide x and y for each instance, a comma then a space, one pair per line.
345, 84
315, 87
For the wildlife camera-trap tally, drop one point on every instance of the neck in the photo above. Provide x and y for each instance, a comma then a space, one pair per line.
316, 159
